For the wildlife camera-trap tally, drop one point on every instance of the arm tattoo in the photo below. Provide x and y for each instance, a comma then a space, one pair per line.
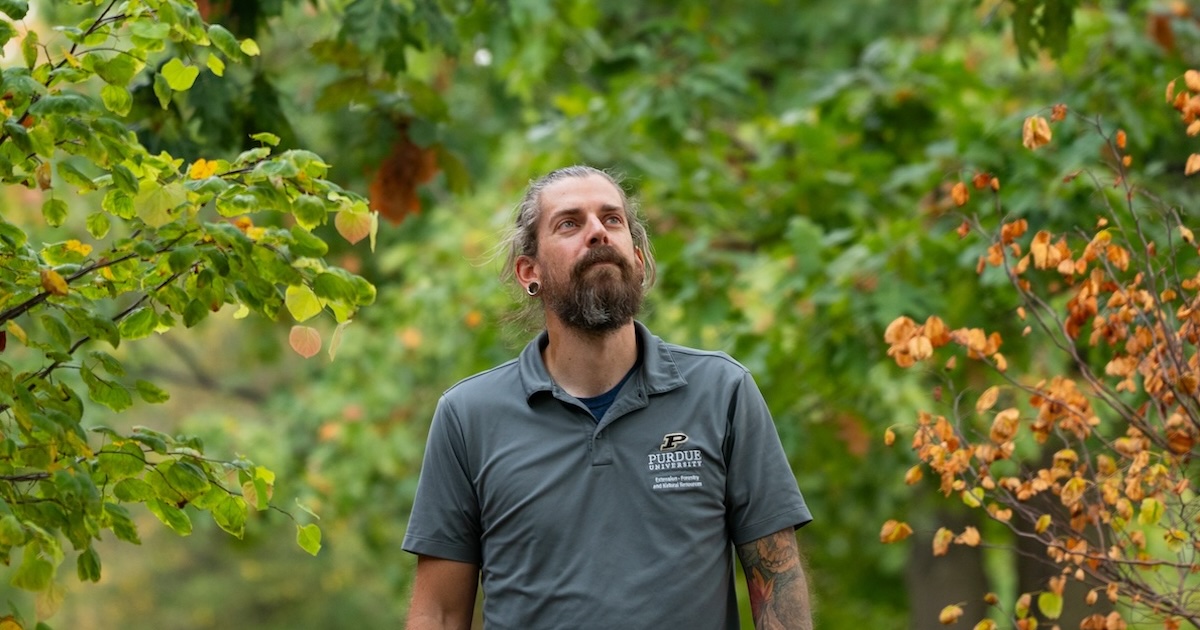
775, 578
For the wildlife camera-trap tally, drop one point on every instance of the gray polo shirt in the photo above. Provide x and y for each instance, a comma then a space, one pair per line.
622, 523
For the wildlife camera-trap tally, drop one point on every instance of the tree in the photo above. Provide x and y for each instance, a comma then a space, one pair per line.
168, 244
1112, 399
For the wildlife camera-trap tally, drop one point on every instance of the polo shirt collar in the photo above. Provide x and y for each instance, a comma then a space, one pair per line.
659, 372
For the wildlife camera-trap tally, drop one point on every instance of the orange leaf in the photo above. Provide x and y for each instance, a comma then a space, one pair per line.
1035, 133
987, 400
969, 537
981, 181
353, 226
305, 341
889, 437
894, 531
1171, 90
53, 283
1059, 112
1193, 164
1192, 78
941, 541
959, 194
1120, 138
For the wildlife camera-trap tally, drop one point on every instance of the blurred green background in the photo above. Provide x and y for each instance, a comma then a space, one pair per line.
794, 159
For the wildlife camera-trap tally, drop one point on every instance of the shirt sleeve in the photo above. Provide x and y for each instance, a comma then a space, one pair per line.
445, 516
761, 495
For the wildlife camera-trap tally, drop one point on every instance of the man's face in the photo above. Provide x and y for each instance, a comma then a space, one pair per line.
590, 274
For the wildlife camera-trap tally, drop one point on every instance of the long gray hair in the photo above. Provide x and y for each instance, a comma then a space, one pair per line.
522, 236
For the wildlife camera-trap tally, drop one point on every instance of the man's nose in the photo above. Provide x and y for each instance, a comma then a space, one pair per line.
597, 235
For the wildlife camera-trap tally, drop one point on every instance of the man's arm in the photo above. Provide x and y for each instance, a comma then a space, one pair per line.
775, 578
443, 595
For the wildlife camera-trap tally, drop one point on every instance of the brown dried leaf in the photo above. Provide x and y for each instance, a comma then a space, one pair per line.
987, 400
894, 531
1035, 133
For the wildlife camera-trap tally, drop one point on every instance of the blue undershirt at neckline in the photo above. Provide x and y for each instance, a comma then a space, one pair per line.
598, 405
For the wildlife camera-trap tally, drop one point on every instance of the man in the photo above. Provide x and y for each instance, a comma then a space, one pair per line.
599, 480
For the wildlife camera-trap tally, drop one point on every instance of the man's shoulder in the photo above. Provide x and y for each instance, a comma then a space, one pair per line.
696, 358
488, 384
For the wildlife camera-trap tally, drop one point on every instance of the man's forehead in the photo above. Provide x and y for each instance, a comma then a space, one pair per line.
580, 193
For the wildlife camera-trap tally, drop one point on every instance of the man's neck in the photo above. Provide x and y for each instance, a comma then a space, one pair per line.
587, 365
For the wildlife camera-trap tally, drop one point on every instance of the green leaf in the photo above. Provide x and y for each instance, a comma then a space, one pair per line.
151, 393
307, 244
266, 138
55, 212
230, 515
179, 77
29, 47
116, 99
35, 573
122, 526
1051, 604
65, 104
162, 90
118, 70
302, 303
15, 9
107, 393
181, 258
12, 533
139, 323
133, 490
171, 516
185, 477
310, 211
194, 313
12, 235
87, 566
7, 32
98, 224
309, 538
121, 462
1151, 512
224, 41
155, 203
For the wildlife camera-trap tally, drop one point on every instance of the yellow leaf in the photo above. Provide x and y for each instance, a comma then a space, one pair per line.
53, 283
950, 614
1187, 235
894, 531
889, 437
1171, 90
8, 622
987, 400
18, 332
913, 475
202, 169
986, 624
1035, 133
305, 341
74, 245
1043, 522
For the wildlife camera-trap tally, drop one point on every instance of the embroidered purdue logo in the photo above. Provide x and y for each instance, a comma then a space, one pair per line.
671, 440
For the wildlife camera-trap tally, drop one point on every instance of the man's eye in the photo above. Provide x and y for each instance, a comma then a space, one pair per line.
566, 224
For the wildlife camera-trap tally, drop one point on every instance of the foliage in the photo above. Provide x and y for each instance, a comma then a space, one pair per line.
1094, 461
166, 245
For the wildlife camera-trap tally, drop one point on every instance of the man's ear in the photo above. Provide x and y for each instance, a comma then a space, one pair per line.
527, 270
